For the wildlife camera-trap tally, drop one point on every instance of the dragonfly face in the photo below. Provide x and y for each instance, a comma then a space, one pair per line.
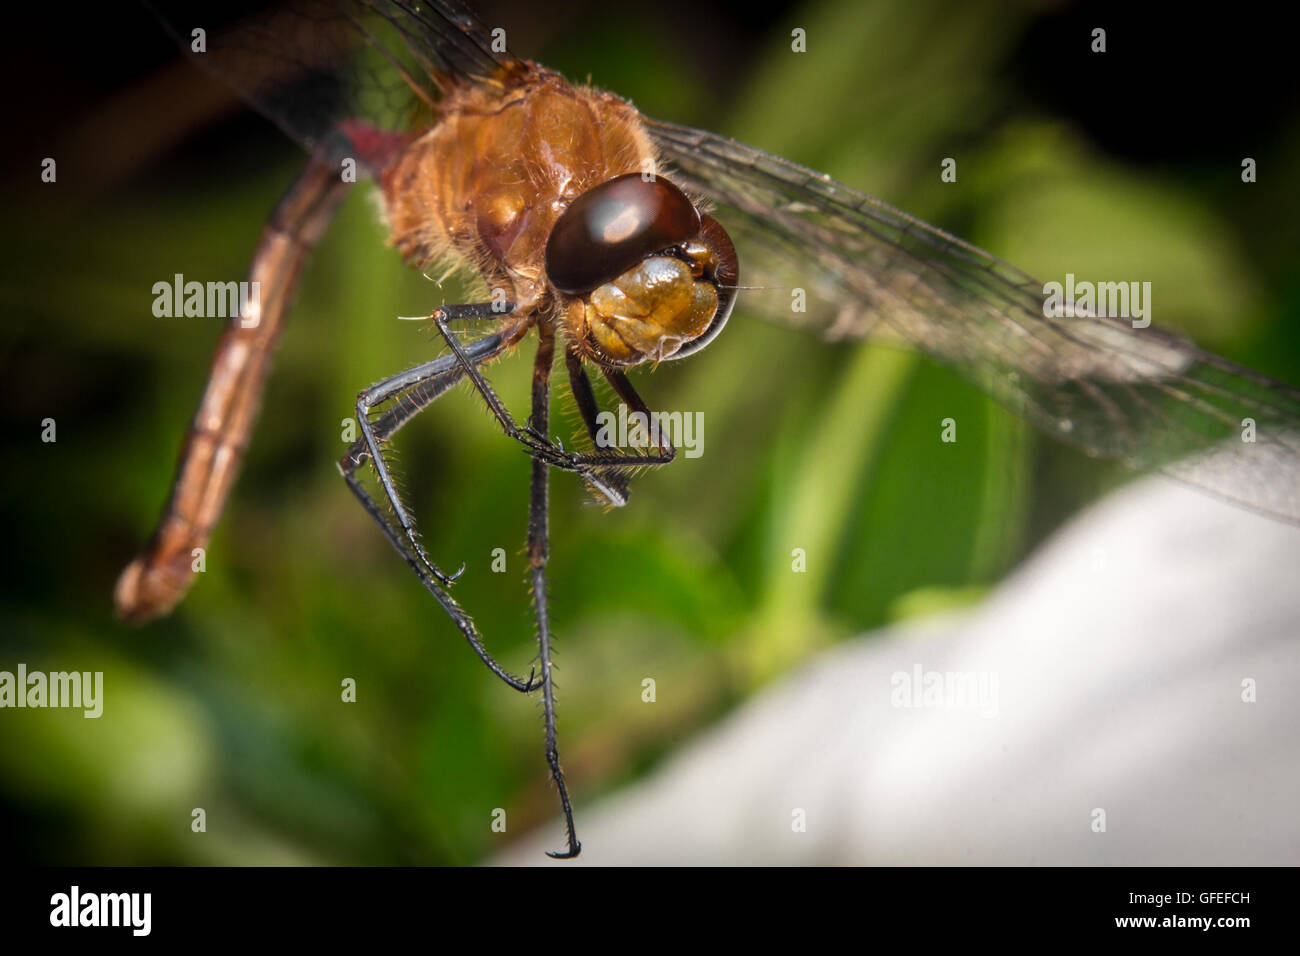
651, 276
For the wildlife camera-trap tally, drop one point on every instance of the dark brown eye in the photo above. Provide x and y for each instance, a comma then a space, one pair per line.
609, 229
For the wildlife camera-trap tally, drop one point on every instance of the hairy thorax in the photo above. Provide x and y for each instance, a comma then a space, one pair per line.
486, 184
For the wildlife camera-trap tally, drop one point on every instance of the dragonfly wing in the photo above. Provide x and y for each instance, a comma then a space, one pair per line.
309, 65
1147, 398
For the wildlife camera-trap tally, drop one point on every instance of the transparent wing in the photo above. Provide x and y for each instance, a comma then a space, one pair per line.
308, 65
1147, 398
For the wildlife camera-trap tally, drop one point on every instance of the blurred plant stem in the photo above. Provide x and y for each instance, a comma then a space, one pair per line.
807, 525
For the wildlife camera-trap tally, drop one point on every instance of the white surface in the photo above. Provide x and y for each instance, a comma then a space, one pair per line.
1119, 650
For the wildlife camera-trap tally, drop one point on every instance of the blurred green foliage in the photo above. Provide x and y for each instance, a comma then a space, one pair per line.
233, 703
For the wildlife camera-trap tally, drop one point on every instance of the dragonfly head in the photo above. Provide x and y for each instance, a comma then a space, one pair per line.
647, 276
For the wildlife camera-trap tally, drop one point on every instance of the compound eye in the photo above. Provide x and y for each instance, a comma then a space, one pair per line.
609, 229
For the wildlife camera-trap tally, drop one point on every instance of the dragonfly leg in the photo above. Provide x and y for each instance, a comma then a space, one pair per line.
586, 399
538, 553
416, 390
623, 386
585, 396
594, 469
391, 387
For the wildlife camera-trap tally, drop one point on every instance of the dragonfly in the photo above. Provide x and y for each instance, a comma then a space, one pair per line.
620, 241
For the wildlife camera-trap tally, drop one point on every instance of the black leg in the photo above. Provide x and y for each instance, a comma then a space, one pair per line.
538, 553
592, 468
414, 390
583, 394
623, 386
418, 388
587, 406
391, 387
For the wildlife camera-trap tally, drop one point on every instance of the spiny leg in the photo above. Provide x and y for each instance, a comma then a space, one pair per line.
538, 551
387, 389
623, 385
421, 387
585, 396
589, 467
